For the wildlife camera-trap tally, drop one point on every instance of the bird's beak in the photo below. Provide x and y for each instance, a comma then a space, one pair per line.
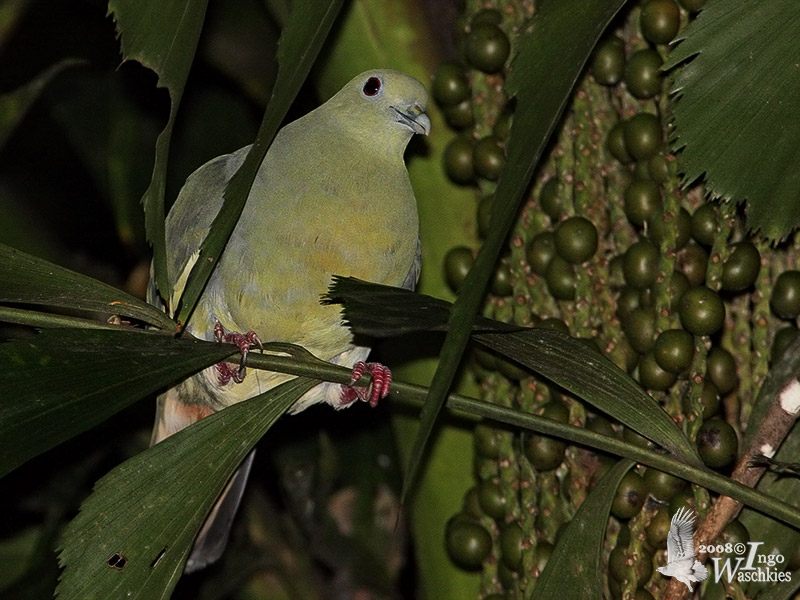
413, 118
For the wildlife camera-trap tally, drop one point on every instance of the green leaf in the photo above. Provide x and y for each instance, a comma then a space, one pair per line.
63, 382
589, 375
27, 279
301, 40
735, 113
150, 508
563, 33
14, 105
162, 36
573, 569
374, 310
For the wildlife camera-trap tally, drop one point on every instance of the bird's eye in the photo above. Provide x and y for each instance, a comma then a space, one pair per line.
372, 86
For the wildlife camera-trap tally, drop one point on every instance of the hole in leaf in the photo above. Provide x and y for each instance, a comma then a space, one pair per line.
117, 561
158, 558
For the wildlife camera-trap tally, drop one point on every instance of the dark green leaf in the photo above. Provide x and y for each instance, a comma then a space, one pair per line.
163, 37
301, 39
377, 311
65, 381
562, 33
589, 375
737, 105
14, 105
27, 279
573, 569
150, 508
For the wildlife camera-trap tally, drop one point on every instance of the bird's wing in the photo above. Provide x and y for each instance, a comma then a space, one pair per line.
680, 541
412, 278
189, 220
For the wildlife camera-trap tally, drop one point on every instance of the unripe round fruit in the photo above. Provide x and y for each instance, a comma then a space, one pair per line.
552, 204
449, 85
457, 263
660, 20
643, 73
629, 497
782, 340
608, 62
615, 143
741, 267
560, 278
701, 311
576, 239
491, 499
458, 163
467, 543
642, 201
785, 300
501, 280
461, 115
704, 223
488, 158
717, 443
640, 264
721, 369
541, 250
640, 328
674, 350
511, 538
652, 376
643, 135
487, 47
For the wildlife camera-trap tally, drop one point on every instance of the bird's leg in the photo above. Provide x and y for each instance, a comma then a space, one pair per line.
226, 373
377, 390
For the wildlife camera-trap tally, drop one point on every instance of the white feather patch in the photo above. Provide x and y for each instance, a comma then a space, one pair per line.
790, 398
180, 283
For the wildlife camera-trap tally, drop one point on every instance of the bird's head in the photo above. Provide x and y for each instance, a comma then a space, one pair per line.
384, 106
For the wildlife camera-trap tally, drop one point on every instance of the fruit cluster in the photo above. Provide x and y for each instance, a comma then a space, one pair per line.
611, 248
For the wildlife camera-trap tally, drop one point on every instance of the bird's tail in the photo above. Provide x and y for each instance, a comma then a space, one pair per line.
172, 415
699, 571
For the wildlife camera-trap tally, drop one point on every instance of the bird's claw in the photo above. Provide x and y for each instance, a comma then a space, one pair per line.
226, 373
376, 391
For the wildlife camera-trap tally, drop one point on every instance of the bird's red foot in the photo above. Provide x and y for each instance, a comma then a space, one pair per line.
377, 390
227, 372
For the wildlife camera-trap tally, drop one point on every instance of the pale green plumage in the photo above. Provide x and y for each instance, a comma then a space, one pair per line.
332, 197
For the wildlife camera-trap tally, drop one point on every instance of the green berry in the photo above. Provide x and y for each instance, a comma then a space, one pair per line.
457, 263
488, 158
608, 62
717, 443
629, 497
487, 47
615, 143
640, 264
741, 268
540, 251
642, 201
785, 300
643, 135
674, 350
458, 163
643, 74
576, 239
660, 20
701, 311
449, 85
467, 543
560, 278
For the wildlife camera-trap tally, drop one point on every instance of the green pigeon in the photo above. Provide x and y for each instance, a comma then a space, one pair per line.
331, 197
